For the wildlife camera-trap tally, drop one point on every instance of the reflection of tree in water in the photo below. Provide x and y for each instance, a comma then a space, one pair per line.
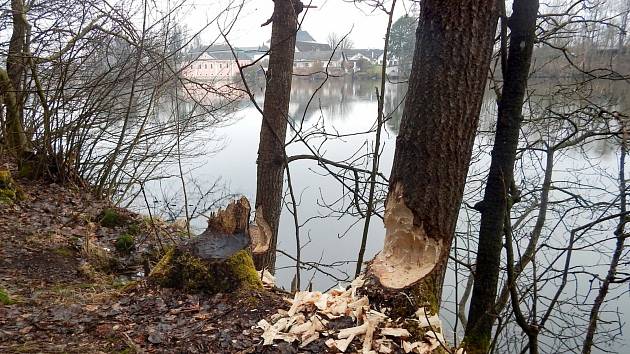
333, 101
556, 110
394, 105
569, 105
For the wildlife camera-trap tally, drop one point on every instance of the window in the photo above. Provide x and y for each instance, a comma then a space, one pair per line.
205, 66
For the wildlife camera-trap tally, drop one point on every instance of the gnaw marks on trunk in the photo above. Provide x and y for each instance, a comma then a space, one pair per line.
454, 43
408, 253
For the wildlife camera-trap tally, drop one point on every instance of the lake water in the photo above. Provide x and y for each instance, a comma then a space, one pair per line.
343, 107
346, 108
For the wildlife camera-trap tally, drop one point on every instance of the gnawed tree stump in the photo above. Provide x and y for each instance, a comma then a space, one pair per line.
218, 260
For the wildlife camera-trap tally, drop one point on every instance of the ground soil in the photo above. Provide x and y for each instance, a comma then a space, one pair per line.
62, 308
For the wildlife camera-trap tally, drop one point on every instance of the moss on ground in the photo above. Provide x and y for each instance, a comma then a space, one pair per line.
7, 196
111, 217
64, 251
5, 299
164, 267
125, 243
180, 269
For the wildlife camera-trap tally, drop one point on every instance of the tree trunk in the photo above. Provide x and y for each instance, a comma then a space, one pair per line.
433, 150
271, 153
497, 198
11, 82
217, 261
623, 31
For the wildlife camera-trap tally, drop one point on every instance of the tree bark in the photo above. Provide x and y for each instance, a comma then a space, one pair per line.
497, 197
271, 154
11, 82
454, 43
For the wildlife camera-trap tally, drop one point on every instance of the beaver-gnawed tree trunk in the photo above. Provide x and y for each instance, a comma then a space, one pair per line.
218, 260
500, 191
271, 153
433, 151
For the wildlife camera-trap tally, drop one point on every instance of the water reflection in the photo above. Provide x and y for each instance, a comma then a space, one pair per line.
334, 98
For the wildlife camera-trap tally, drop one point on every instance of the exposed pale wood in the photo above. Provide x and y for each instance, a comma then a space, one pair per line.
227, 233
374, 332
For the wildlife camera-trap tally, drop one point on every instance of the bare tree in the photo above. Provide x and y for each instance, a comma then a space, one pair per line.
338, 41
433, 150
89, 90
380, 93
500, 192
11, 82
271, 154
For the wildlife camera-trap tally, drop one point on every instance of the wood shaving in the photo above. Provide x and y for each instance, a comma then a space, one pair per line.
267, 278
426, 320
395, 332
374, 333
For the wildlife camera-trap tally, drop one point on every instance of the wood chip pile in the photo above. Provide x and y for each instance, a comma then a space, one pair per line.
311, 313
268, 280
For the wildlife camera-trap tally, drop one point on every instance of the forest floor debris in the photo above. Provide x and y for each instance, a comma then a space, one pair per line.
315, 316
58, 302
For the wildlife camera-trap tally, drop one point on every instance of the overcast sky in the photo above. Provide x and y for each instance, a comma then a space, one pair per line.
367, 26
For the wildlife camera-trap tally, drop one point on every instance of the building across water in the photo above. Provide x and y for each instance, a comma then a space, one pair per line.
219, 62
